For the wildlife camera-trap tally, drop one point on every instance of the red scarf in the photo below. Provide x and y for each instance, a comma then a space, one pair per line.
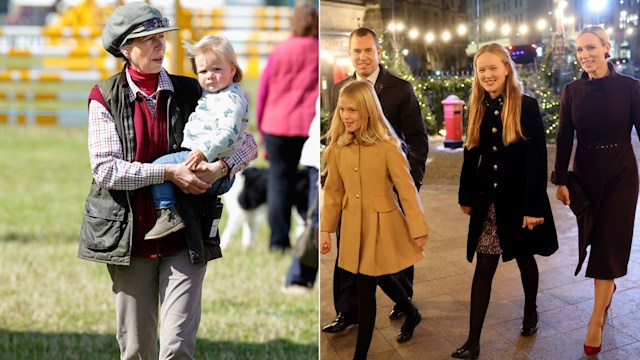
148, 83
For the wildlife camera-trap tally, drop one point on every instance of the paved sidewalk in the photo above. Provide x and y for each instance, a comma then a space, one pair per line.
443, 282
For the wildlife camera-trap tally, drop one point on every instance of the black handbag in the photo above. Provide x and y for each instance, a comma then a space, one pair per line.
579, 201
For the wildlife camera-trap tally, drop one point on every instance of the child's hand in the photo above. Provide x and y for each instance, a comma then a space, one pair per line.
420, 242
530, 222
562, 194
465, 209
325, 242
194, 158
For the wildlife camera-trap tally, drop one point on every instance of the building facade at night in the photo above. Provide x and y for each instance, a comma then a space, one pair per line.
542, 23
510, 22
432, 34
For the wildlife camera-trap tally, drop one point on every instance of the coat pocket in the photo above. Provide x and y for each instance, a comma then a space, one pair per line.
104, 224
383, 204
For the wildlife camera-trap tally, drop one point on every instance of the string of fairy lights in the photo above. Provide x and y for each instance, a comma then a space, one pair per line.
536, 84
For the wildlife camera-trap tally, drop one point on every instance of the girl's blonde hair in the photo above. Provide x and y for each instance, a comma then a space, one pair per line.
374, 125
512, 106
218, 45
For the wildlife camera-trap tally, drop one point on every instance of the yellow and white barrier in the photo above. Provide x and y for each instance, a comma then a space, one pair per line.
68, 54
73, 117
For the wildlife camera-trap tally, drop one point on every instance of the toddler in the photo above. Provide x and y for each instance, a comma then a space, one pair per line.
214, 131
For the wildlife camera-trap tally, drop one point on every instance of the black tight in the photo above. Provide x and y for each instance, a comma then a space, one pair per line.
486, 266
529, 276
366, 286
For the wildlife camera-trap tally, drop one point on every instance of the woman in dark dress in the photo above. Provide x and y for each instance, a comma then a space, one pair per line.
503, 188
600, 108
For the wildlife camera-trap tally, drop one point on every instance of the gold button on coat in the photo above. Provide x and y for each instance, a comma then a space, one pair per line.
494, 130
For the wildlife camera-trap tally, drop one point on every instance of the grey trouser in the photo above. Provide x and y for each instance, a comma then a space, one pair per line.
176, 284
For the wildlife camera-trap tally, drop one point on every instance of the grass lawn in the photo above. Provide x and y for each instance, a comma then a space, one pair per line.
55, 306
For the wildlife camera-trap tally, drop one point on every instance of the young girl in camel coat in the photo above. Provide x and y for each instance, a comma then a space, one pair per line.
363, 163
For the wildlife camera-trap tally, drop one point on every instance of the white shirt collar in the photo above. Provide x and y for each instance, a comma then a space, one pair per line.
372, 78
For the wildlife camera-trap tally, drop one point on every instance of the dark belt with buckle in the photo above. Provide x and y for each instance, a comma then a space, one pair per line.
601, 146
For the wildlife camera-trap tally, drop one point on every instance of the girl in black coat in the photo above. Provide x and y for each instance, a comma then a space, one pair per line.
503, 188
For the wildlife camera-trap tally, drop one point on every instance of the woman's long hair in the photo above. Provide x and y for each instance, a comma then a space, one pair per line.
512, 106
374, 125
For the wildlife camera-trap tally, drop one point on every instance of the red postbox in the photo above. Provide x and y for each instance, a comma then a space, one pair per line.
452, 106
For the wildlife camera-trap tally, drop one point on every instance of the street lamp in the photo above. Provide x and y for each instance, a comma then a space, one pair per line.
490, 25
462, 29
541, 24
395, 27
413, 33
505, 29
446, 36
429, 37
597, 6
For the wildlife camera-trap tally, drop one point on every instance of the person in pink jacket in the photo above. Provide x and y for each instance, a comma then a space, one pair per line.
285, 107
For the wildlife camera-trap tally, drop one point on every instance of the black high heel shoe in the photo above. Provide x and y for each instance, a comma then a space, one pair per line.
406, 331
462, 353
529, 324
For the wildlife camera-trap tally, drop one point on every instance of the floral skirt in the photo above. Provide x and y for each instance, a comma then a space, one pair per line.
488, 243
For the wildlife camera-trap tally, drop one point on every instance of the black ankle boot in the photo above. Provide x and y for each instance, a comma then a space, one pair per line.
529, 324
410, 323
466, 353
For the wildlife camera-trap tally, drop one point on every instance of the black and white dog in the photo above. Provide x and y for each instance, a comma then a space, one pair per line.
246, 204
